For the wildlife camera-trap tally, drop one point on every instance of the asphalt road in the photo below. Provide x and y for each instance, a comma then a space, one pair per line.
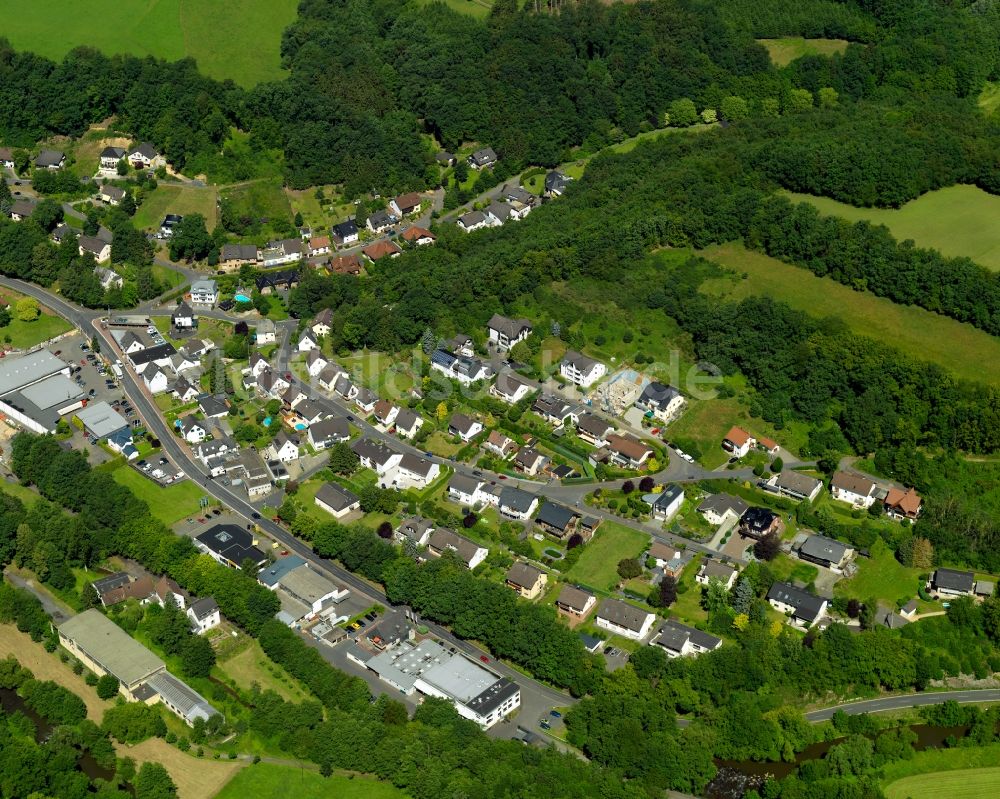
887, 703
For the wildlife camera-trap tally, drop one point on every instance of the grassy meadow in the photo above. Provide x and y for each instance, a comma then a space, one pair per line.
479, 9
230, 39
168, 503
957, 347
269, 781
598, 565
171, 199
957, 220
785, 51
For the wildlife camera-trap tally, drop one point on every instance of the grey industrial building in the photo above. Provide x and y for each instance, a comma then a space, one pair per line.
35, 391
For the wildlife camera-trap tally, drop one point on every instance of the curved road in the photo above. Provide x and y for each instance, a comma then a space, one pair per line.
904, 701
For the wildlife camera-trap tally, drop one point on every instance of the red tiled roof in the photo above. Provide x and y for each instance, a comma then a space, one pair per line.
381, 249
738, 436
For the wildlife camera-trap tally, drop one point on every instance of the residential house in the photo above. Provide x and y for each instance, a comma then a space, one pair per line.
376, 456
460, 344
581, 370
183, 317
233, 256
593, 429
497, 213
385, 413
624, 619
336, 500
662, 401
504, 333
183, 390
464, 427
117, 588
155, 379
108, 278
413, 471
668, 503
950, 582
406, 204
716, 570
167, 225
112, 195
758, 522
680, 640
473, 220
330, 375
6, 158
345, 265
50, 159
309, 411
230, 545
265, 332
517, 504
853, 489
485, 158
530, 461
793, 484
499, 444
805, 609
204, 615
283, 447
510, 388
110, 156
145, 156
205, 292
738, 442
666, 557
464, 369
316, 362
365, 399
282, 251
307, 341
271, 384
445, 159
902, 505
22, 209
627, 451
383, 248
97, 248
415, 529
722, 508
346, 233
191, 429
553, 409
380, 221
408, 423
418, 236
468, 551
826, 552
319, 245
557, 520
322, 321
528, 581
62, 230
465, 490
769, 445
280, 280
556, 183
327, 432
575, 602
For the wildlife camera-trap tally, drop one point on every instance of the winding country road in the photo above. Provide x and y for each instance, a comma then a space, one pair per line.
887, 703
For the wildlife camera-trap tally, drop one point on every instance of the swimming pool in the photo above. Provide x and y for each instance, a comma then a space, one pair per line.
241, 298
267, 421
299, 426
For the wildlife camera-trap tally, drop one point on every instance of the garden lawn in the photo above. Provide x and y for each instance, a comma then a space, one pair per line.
785, 51
269, 781
921, 334
24, 335
964, 759
989, 98
258, 199
479, 9
237, 39
881, 576
252, 666
957, 220
963, 784
793, 569
597, 567
171, 199
168, 504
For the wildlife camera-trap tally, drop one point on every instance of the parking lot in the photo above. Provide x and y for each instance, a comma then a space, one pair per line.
159, 469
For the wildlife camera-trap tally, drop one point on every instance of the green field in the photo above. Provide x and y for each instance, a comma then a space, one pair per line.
989, 98
259, 199
881, 576
24, 335
268, 781
479, 9
960, 348
237, 39
169, 199
957, 220
598, 565
168, 504
961, 759
785, 51
974, 783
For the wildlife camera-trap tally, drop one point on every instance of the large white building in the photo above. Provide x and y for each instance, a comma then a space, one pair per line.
581, 370
35, 391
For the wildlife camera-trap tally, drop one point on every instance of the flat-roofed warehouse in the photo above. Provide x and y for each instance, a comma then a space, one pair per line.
101, 420
35, 390
105, 648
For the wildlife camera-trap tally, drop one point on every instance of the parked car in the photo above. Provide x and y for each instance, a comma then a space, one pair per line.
484, 658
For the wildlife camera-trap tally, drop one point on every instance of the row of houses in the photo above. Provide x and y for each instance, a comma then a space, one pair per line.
158, 362
512, 204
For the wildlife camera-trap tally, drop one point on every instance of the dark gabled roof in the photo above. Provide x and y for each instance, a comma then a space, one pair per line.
573, 597
48, 158
797, 483
283, 277
231, 542
472, 218
658, 395
673, 635
668, 496
508, 383
483, 156
145, 149
381, 218
623, 614
461, 422
593, 424
343, 230
149, 354
820, 547
720, 503
336, 496
372, 450
204, 607
444, 539
334, 427
511, 328
556, 181
239, 252
516, 499
113, 152
523, 574
807, 606
553, 515
954, 580
757, 518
